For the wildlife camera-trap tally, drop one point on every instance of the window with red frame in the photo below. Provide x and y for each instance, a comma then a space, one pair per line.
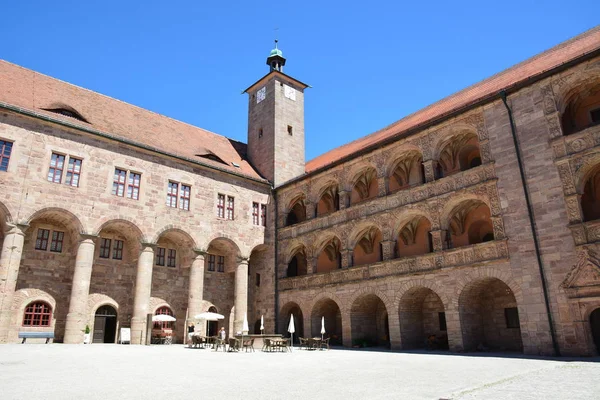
133, 186
119, 182
118, 250
211, 262
221, 206
37, 313
221, 264
105, 248
41, 242
57, 164
73, 172
56, 244
184, 197
172, 190
255, 219
172, 258
230, 207
160, 256
126, 182
5, 150
163, 325
263, 214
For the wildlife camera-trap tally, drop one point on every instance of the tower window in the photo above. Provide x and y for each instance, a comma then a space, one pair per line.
260, 133
290, 130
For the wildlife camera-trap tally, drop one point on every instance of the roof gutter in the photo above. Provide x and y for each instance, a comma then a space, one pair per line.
461, 110
30, 113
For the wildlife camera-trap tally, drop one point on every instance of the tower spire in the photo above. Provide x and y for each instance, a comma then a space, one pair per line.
276, 61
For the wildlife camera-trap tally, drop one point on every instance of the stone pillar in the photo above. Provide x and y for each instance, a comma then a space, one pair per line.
429, 169
454, 330
382, 185
196, 288
498, 227
241, 296
311, 265
80, 290
10, 260
346, 329
394, 327
344, 196
388, 249
310, 209
346, 258
143, 288
439, 240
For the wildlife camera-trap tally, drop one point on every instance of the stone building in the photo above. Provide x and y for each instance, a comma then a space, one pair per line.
474, 220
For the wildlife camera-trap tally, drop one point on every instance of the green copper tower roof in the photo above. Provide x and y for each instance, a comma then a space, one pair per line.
276, 51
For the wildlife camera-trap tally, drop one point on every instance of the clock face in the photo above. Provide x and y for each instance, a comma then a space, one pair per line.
290, 92
261, 94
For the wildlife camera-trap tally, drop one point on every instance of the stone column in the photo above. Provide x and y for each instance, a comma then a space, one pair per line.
310, 209
241, 296
346, 258
343, 199
439, 240
454, 330
429, 169
10, 260
382, 185
311, 265
394, 331
80, 290
196, 288
143, 288
388, 249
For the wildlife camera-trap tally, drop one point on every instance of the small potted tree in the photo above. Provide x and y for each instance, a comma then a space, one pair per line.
86, 335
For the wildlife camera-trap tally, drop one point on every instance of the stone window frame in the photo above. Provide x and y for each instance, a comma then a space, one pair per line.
128, 183
220, 205
37, 311
105, 246
263, 214
5, 147
56, 243
69, 165
160, 256
42, 238
212, 262
255, 213
171, 258
230, 208
178, 195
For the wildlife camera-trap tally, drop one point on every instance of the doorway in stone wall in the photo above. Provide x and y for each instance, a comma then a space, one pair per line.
105, 325
212, 327
595, 324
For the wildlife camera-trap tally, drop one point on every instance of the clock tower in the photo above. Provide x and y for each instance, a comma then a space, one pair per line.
276, 123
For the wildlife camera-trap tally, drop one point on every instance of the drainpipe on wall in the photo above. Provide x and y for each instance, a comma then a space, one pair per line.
275, 238
532, 224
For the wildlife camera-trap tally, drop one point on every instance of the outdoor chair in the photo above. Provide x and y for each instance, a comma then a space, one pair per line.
303, 343
220, 343
267, 346
248, 344
325, 344
234, 344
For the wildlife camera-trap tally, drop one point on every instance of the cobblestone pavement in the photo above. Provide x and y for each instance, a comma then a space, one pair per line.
91, 372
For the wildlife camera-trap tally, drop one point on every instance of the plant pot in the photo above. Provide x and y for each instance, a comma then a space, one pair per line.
86, 338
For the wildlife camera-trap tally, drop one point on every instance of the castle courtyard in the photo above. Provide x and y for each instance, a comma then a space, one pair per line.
176, 372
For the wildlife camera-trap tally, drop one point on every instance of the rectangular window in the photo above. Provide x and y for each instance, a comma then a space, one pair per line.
211, 262
442, 320
221, 206
119, 182
118, 250
57, 164
511, 315
5, 150
172, 194
230, 207
263, 214
257, 279
160, 256
57, 241
171, 258
184, 197
73, 172
133, 186
221, 264
255, 219
41, 242
105, 248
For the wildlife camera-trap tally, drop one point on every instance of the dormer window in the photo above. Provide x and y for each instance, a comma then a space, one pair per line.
67, 112
209, 155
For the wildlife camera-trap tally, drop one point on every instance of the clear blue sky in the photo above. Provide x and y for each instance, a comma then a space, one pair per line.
370, 63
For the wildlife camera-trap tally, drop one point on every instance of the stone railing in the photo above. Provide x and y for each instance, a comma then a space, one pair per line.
576, 142
478, 253
394, 200
586, 232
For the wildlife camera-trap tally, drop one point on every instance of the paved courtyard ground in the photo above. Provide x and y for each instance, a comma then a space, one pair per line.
37, 371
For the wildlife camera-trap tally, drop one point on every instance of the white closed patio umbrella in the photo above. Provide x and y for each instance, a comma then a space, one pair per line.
292, 328
163, 318
209, 316
322, 327
262, 324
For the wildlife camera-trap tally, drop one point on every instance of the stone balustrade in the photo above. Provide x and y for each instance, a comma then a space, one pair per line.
478, 253
576, 142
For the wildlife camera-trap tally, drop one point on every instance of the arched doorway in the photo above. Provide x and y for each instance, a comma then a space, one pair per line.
422, 315
595, 324
328, 309
212, 327
369, 322
105, 325
286, 313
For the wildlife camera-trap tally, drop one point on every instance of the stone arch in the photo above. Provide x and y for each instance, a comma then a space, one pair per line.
369, 321
397, 153
410, 233
320, 186
60, 216
457, 149
21, 299
292, 308
297, 262
589, 185
121, 220
364, 184
365, 242
431, 285
156, 303
225, 240
97, 300
484, 273
591, 323
5, 214
488, 309
576, 98
328, 198
173, 229
468, 222
295, 211
326, 307
406, 170
328, 252
368, 290
422, 317
354, 173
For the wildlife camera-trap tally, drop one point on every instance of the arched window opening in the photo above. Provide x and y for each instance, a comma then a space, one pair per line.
414, 238
297, 265
460, 153
365, 187
330, 257
165, 324
591, 194
368, 247
470, 223
329, 201
407, 172
297, 213
38, 313
582, 111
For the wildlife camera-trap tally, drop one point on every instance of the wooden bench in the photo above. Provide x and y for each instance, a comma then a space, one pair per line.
36, 335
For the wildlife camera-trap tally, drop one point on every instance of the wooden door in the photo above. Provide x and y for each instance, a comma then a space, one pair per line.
99, 325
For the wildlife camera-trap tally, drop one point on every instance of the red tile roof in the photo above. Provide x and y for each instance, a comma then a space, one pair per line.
35, 92
563, 53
